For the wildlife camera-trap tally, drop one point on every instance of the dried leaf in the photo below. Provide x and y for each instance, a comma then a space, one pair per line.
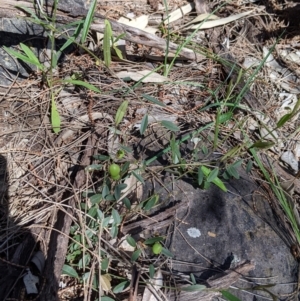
145, 76
215, 23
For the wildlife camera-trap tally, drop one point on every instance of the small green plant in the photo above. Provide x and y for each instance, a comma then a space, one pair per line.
109, 42
47, 69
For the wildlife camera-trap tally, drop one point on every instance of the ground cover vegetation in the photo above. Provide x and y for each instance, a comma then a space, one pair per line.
102, 99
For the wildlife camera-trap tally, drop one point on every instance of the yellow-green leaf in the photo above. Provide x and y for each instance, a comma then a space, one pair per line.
121, 112
55, 118
106, 43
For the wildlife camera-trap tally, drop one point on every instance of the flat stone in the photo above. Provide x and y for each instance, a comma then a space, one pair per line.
217, 231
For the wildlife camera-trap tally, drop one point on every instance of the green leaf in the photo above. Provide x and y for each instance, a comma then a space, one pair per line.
204, 150
285, 118
96, 198
121, 112
22, 57
144, 124
106, 298
87, 22
127, 203
101, 157
81, 83
70, 271
114, 231
151, 270
120, 287
106, 43
200, 176
170, 125
233, 172
131, 241
118, 52
176, 156
152, 240
116, 216
136, 254
225, 117
138, 176
30, 54
153, 100
104, 264
215, 180
193, 278
118, 190
213, 175
249, 166
166, 252
262, 144
194, 288
55, 118
105, 191
229, 296
153, 200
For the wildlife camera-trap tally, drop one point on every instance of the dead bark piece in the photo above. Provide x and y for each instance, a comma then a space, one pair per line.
201, 7
221, 283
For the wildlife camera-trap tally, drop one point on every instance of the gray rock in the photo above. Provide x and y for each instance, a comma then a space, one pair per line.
231, 233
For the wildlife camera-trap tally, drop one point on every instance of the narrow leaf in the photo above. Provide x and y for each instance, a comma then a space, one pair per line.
136, 254
194, 288
229, 296
166, 252
151, 270
152, 240
131, 241
285, 118
200, 176
82, 83
262, 144
151, 203
121, 112
138, 176
153, 100
213, 174
116, 216
170, 125
30, 54
70, 271
106, 298
249, 166
87, 22
120, 287
106, 43
144, 124
22, 57
55, 118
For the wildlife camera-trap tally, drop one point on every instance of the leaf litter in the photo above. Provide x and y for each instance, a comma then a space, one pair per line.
86, 129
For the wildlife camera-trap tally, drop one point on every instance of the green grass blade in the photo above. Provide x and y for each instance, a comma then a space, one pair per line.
82, 83
55, 118
144, 124
22, 57
170, 125
88, 21
106, 43
30, 54
121, 112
